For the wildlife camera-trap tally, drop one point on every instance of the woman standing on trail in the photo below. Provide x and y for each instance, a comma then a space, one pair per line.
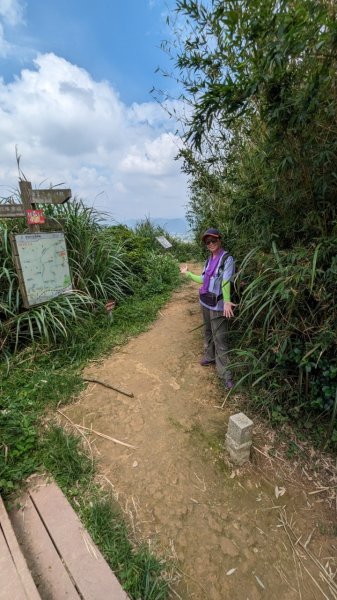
216, 306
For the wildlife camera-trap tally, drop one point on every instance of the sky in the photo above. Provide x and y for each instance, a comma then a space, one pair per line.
75, 103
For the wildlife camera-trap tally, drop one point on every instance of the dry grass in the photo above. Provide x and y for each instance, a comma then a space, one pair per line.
322, 576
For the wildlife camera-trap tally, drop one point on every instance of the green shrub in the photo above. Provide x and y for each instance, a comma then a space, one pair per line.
161, 272
185, 251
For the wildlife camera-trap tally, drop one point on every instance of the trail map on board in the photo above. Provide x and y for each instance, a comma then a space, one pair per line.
44, 264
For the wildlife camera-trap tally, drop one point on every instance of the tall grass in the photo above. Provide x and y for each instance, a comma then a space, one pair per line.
287, 338
97, 260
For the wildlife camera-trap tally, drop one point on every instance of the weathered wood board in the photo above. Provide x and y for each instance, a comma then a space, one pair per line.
15, 577
54, 540
51, 196
11, 586
11, 211
48, 570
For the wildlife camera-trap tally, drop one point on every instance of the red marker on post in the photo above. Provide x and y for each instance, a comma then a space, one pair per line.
110, 305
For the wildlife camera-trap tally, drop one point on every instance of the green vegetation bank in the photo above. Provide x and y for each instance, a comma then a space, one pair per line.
260, 80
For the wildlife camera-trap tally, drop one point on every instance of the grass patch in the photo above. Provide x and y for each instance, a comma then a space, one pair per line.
137, 570
62, 455
40, 378
177, 425
212, 446
208, 439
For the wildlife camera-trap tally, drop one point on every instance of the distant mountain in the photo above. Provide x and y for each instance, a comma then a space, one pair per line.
176, 226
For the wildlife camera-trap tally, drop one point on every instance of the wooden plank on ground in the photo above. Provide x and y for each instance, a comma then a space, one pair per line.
90, 572
11, 587
47, 568
17, 556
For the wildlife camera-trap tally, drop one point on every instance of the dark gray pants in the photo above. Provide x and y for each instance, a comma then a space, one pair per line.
216, 341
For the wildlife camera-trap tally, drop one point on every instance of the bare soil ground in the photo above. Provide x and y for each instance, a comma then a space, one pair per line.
262, 531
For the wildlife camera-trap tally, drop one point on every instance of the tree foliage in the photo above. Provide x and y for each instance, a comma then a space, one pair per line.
260, 80
260, 76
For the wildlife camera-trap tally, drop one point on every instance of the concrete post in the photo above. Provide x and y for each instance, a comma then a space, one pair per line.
239, 438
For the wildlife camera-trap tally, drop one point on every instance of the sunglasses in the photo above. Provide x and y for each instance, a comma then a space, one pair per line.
213, 241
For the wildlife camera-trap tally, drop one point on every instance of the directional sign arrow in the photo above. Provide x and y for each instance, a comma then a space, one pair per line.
10, 211
50, 196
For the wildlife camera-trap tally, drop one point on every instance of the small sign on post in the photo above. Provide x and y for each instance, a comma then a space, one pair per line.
35, 217
109, 307
164, 242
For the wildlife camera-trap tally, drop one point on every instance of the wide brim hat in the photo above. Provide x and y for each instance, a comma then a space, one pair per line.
211, 233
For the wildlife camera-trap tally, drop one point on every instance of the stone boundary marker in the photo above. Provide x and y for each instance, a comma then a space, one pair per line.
239, 438
64, 562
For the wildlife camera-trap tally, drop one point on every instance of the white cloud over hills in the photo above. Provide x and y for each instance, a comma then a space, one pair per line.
70, 128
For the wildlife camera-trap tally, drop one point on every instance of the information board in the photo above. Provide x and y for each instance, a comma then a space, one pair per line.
43, 266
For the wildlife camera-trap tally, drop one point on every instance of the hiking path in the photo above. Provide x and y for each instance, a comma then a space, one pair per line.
245, 533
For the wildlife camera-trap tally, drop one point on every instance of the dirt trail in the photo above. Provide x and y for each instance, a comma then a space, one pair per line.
179, 490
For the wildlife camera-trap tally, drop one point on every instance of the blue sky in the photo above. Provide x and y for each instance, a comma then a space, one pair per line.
74, 99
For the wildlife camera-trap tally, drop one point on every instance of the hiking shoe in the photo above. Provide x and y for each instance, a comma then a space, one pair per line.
205, 362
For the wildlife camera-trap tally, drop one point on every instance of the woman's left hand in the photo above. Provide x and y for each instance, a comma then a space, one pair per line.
228, 309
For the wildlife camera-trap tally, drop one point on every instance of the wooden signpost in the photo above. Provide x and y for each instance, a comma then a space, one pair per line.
28, 246
30, 198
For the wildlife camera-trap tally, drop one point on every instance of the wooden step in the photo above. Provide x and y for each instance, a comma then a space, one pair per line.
46, 565
64, 561
16, 580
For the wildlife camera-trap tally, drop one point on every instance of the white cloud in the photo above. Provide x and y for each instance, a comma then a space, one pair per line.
11, 15
11, 11
148, 112
120, 187
72, 129
154, 157
4, 45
